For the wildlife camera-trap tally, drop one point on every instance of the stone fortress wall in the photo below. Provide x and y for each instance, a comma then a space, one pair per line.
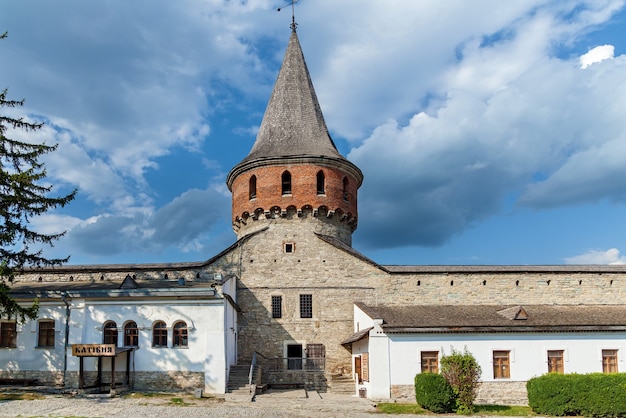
337, 277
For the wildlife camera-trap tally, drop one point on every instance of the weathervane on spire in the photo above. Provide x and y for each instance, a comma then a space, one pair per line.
294, 25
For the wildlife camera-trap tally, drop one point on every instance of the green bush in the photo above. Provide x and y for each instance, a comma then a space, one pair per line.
462, 371
433, 392
591, 395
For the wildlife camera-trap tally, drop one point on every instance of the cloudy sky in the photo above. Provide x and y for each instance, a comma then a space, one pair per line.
489, 131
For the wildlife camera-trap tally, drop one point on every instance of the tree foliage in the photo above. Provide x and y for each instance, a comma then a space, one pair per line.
462, 371
23, 195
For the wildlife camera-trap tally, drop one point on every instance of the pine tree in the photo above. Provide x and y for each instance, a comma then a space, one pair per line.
22, 196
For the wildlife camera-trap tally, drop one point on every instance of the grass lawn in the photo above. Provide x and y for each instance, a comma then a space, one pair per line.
499, 410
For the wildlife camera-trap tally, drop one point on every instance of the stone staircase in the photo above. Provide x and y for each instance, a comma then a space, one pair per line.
238, 387
341, 384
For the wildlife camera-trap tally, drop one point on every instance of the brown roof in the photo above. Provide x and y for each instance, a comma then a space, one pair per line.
499, 318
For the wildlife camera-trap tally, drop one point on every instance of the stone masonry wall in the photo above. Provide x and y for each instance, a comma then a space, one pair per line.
500, 393
44, 378
166, 381
507, 288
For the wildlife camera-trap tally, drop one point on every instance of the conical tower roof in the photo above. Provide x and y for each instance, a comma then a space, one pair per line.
293, 127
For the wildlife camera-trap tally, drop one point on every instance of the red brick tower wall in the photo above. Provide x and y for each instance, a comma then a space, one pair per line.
304, 201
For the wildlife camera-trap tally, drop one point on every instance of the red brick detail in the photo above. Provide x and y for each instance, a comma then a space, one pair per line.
303, 190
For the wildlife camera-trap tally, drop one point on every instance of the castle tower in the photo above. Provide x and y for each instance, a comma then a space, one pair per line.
294, 171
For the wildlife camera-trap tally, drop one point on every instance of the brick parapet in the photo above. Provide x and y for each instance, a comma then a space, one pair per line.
304, 200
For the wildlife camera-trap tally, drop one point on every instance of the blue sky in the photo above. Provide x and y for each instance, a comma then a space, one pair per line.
489, 132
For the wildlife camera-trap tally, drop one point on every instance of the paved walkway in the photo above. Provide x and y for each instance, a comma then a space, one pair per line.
285, 403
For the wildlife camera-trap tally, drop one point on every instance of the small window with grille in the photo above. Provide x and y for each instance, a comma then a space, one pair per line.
277, 306
306, 306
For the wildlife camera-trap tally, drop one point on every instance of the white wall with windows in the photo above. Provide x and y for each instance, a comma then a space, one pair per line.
395, 359
27, 346
173, 330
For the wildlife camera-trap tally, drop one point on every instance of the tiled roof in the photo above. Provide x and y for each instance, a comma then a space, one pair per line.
499, 318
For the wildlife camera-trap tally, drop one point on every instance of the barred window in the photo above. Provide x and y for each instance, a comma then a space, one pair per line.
159, 334
306, 306
8, 334
46, 333
277, 306
109, 333
131, 334
180, 334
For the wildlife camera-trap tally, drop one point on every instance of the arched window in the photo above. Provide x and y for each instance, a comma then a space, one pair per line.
180, 334
321, 186
286, 182
109, 333
131, 334
159, 334
345, 189
252, 187
46, 333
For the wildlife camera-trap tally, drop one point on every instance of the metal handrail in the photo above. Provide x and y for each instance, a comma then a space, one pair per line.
306, 364
253, 364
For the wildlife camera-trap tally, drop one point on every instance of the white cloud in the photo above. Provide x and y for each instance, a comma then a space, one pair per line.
514, 120
460, 104
597, 54
611, 256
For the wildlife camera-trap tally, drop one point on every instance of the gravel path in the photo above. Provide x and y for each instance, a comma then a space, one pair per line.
295, 403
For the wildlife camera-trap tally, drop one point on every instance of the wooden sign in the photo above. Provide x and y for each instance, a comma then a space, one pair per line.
93, 350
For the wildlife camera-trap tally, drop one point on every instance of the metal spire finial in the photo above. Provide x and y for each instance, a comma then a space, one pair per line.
293, 25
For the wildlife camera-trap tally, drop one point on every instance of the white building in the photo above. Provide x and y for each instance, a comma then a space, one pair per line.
511, 344
166, 334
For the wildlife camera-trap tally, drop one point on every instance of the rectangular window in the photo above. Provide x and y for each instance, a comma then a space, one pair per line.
501, 365
555, 361
8, 334
289, 247
609, 361
315, 356
46, 333
277, 306
306, 306
430, 361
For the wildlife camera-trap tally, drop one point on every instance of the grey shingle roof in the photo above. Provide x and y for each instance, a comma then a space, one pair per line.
293, 123
499, 318
293, 129
494, 269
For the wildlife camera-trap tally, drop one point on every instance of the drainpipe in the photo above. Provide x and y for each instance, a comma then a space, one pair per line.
64, 298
